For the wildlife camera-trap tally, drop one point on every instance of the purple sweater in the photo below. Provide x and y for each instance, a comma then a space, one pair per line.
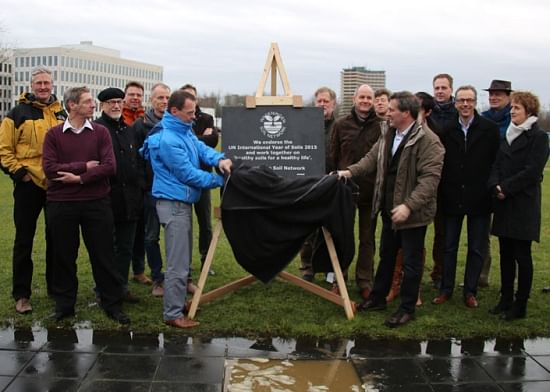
69, 152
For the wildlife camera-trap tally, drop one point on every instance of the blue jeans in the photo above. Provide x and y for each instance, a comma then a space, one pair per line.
176, 218
152, 237
478, 229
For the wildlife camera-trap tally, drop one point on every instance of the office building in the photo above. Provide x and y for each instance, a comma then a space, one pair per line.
82, 65
351, 78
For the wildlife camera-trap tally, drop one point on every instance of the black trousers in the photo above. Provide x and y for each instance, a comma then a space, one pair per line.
515, 253
204, 219
95, 219
29, 199
411, 241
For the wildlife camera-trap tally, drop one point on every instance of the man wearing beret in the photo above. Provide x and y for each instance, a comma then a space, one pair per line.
126, 185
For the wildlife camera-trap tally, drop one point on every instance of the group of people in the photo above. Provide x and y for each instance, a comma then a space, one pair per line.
419, 159
416, 159
91, 179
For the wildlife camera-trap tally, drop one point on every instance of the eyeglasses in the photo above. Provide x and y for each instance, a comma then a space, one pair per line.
114, 102
465, 100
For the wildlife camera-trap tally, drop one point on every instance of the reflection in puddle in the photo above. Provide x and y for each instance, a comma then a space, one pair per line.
263, 375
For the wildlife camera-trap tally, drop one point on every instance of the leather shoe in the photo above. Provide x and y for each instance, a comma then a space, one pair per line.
371, 305
60, 315
23, 306
308, 277
335, 289
143, 279
119, 316
501, 307
398, 319
182, 322
546, 289
191, 288
130, 298
364, 293
441, 299
471, 301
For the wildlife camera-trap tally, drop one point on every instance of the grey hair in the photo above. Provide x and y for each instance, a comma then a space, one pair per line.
40, 70
160, 84
467, 87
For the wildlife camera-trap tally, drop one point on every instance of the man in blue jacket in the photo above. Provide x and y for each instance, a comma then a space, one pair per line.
175, 154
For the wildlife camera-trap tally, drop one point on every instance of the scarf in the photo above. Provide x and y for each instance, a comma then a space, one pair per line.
514, 131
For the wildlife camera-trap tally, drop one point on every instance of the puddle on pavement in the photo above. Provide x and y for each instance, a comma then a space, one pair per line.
264, 375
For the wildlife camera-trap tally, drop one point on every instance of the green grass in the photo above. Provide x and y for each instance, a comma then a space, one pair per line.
281, 309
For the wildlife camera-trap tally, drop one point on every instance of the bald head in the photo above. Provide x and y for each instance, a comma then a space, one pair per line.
363, 100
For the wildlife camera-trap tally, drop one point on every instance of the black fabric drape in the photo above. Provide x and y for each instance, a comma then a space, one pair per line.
267, 218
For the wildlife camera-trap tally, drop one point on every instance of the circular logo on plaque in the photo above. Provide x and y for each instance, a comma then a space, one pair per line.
273, 124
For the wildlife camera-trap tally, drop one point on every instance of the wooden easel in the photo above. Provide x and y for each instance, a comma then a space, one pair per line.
273, 64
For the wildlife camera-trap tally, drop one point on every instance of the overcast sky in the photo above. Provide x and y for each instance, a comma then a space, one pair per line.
221, 46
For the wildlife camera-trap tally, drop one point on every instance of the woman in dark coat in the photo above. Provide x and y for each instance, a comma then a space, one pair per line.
515, 182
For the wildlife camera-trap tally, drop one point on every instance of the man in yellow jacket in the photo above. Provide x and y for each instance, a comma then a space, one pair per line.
22, 135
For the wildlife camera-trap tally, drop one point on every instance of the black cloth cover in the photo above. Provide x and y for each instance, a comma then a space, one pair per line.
267, 218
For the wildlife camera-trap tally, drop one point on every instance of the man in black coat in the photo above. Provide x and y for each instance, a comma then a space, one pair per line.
471, 142
127, 184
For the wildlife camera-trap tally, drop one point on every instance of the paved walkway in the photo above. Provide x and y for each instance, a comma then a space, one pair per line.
81, 360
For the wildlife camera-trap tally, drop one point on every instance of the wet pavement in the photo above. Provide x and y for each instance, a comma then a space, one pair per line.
87, 360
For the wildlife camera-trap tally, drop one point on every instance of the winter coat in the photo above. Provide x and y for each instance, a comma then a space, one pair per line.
127, 185
418, 173
352, 138
467, 165
22, 136
518, 169
175, 154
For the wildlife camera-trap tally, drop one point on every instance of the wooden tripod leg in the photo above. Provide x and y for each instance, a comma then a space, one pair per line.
338, 272
205, 270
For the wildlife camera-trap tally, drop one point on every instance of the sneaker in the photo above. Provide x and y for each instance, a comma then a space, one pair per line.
23, 306
158, 289
142, 278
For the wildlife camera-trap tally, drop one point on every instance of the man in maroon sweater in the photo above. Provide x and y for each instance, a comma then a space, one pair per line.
78, 160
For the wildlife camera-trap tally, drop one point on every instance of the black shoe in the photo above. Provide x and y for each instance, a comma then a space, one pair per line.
371, 305
501, 307
60, 315
546, 289
119, 316
308, 277
516, 311
398, 319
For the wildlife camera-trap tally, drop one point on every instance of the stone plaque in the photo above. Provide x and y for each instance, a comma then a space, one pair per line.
288, 140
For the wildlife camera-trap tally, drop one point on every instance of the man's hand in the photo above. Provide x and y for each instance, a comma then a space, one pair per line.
67, 178
91, 164
400, 213
207, 132
500, 194
344, 173
225, 165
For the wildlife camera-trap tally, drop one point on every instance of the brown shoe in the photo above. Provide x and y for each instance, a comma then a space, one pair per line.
130, 298
440, 299
334, 289
142, 278
182, 322
158, 290
364, 293
23, 306
191, 288
471, 301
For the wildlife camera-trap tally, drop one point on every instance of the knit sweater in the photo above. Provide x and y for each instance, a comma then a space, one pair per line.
68, 151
